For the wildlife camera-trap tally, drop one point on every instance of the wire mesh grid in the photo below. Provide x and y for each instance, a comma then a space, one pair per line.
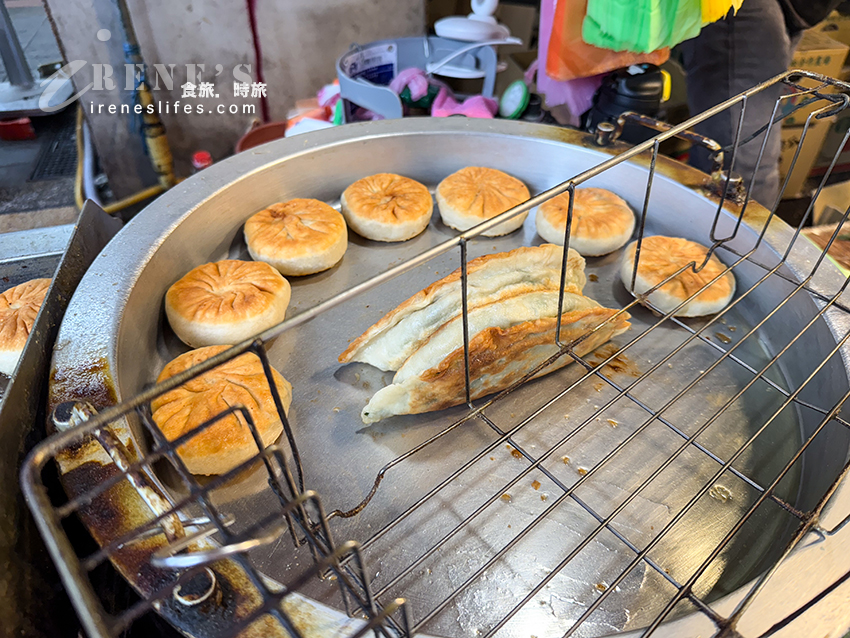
188, 562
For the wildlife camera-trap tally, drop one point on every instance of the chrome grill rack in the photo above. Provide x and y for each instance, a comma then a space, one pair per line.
195, 555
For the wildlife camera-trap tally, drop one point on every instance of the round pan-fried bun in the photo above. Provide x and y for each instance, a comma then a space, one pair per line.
298, 237
475, 194
387, 207
602, 222
238, 382
660, 258
226, 302
19, 306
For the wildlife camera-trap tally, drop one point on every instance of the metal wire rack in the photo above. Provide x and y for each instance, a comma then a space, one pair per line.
189, 573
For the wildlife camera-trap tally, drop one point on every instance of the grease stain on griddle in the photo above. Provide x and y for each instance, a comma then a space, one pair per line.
724, 338
720, 493
593, 277
92, 382
374, 433
619, 364
514, 452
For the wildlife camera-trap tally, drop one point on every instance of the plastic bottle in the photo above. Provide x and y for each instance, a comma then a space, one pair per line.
201, 160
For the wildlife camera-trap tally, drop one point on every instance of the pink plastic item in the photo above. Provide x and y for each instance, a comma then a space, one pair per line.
576, 95
328, 95
412, 78
475, 106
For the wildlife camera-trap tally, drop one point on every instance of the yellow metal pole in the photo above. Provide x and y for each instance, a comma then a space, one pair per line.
156, 140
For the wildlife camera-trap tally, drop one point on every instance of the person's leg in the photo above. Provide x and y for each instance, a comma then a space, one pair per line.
731, 56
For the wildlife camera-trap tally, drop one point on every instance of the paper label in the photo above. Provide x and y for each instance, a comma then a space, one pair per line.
377, 64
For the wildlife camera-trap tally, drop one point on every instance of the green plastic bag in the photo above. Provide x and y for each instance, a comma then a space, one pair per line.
640, 26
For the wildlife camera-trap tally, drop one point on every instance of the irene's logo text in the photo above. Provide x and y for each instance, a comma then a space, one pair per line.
162, 77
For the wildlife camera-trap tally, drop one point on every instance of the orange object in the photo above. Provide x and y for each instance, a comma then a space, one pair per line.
260, 134
307, 104
569, 57
320, 113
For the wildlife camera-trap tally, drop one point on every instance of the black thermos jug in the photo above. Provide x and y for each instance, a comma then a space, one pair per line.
640, 88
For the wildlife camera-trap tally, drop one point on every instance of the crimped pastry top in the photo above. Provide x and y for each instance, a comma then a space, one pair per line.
298, 227
661, 257
482, 192
238, 382
597, 213
226, 291
19, 306
388, 198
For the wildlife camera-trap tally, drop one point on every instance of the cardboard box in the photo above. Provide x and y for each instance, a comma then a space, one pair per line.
830, 205
437, 9
516, 65
521, 20
819, 53
808, 154
840, 249
834, 138
836, 26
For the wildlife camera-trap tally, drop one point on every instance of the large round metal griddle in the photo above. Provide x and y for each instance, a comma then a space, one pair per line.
114, 339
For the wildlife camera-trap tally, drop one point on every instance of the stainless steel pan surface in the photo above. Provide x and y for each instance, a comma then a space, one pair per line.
569, 465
